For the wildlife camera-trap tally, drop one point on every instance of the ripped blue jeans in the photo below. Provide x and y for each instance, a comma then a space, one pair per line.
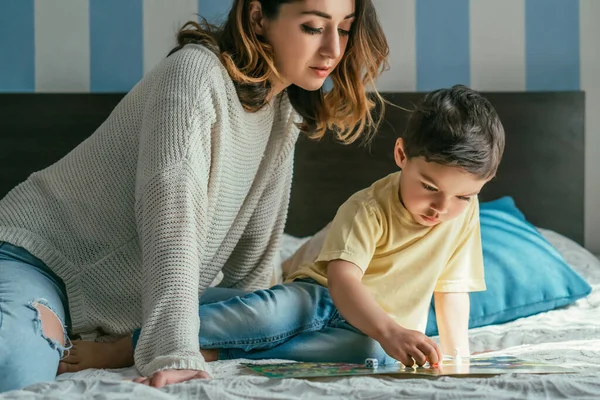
27, 356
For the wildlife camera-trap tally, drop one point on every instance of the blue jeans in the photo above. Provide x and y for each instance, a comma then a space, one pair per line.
27, 356
296, 321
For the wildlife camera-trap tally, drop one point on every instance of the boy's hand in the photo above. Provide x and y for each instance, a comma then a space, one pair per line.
358, 306
405, 345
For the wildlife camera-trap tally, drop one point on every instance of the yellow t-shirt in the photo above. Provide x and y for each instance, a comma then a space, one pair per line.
403, 262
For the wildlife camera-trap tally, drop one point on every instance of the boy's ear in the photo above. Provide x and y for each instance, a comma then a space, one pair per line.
256, 17
399, 154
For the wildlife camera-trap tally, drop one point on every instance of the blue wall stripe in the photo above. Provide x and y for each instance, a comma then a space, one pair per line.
552, 45
443, 55
214, 11
116, 44
17, 46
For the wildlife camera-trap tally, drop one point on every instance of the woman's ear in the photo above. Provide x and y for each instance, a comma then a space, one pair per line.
399, 154
256, 17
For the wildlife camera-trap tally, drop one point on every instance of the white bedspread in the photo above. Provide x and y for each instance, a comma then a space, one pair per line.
569, 336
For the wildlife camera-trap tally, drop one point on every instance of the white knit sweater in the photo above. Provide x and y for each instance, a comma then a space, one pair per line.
176, 185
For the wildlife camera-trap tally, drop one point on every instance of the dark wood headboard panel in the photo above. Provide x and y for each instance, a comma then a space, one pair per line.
38, 129
543, 166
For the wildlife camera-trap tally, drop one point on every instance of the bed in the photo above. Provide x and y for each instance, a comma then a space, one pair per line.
543, 171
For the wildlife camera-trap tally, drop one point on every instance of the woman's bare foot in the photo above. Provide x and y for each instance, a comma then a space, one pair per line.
86, 354
210, 354
113, 355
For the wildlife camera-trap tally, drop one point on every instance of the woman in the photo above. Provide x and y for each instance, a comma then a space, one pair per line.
187, 178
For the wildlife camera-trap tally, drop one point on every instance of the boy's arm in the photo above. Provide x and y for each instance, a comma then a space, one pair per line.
463, 274
356, 304
452, 314
354, 301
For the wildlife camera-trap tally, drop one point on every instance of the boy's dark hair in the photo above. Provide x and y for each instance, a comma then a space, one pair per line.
456, 127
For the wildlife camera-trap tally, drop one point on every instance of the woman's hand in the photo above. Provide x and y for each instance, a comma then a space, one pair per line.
167, 377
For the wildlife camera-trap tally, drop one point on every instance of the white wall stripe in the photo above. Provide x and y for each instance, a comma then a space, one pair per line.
162, 21
398, 20
62, 46
497, 45
590, 83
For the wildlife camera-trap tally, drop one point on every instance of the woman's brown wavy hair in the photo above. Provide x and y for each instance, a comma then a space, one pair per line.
346, 109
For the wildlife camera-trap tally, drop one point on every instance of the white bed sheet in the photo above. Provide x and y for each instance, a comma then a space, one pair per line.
569, 336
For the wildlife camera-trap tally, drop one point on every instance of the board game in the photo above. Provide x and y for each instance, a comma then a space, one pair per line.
472, 367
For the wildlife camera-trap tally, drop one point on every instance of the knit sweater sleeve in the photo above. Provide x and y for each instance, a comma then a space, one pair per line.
171, 212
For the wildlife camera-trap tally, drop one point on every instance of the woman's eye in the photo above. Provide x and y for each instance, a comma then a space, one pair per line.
311, 30
464, 198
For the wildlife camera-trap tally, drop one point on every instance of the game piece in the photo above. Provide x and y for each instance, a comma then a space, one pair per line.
371, 363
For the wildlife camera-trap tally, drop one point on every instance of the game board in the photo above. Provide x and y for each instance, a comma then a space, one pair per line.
475, 366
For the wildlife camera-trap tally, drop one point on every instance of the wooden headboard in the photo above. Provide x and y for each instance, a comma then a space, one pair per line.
542, 168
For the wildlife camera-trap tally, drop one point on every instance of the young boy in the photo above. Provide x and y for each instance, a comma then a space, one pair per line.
390, 247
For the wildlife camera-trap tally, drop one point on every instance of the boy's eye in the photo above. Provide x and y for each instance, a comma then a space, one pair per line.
310, 30
428, 187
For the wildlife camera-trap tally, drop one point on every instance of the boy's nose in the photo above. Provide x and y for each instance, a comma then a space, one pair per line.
440, 207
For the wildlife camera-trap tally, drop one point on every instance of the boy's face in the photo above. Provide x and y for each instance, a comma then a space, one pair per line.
433, 192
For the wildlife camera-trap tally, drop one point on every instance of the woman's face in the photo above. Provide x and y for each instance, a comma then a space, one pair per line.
309, 38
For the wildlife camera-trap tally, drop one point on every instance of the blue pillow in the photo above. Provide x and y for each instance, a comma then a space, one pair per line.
524, 274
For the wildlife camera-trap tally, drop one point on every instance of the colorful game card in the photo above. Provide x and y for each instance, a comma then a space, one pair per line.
470, 367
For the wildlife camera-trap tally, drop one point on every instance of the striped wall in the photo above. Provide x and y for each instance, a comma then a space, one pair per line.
499, 45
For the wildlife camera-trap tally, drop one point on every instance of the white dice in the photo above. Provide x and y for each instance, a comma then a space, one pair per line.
371, 363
